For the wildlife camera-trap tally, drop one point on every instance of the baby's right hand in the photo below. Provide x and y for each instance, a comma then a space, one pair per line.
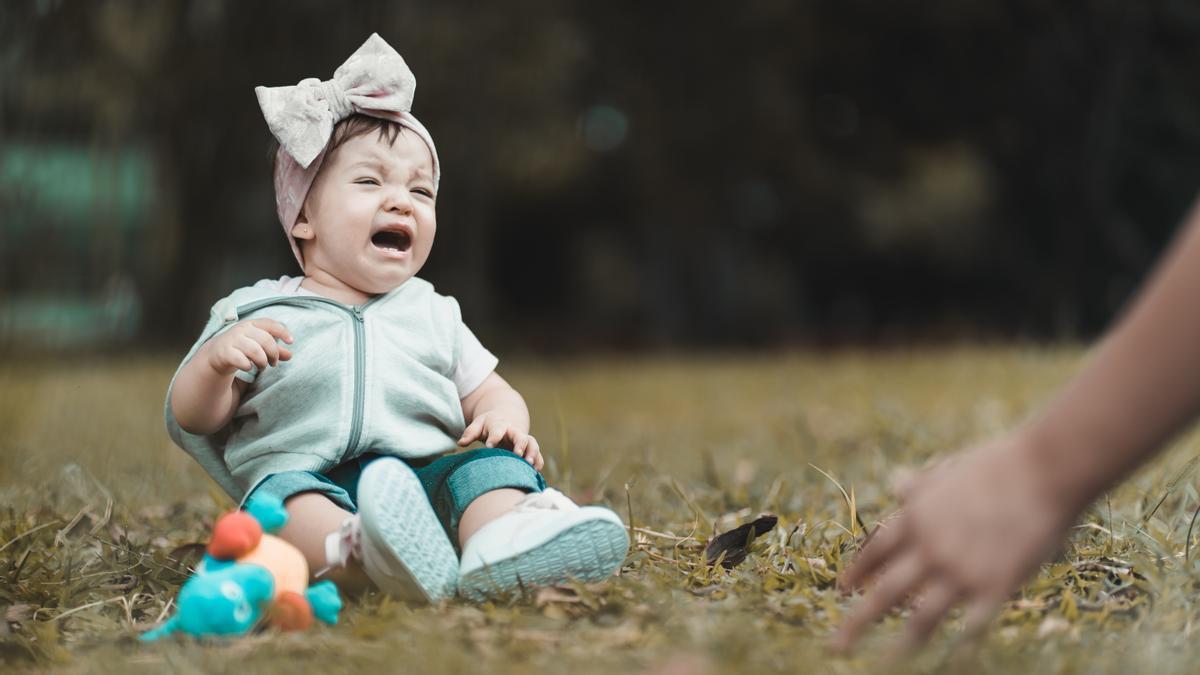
249, 343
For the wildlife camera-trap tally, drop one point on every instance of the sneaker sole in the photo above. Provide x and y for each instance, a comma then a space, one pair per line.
411, 557
589, 551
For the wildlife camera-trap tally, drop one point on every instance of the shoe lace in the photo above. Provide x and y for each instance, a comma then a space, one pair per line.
349, 545
546, 500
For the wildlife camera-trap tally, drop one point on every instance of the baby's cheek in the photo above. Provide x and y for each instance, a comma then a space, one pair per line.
423, 248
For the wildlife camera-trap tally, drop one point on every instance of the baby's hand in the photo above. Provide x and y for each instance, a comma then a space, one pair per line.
499, 432
249, 343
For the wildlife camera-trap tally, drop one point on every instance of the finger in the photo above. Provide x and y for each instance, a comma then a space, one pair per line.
535, 454
269, 338
897, 581
472, 432
262, 339
268, 344
255, 351
520, 443
979, 612
885, 542
496, 434
239, 360
934, 604
275, 328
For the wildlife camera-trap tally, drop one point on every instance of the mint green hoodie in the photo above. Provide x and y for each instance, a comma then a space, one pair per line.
374, 377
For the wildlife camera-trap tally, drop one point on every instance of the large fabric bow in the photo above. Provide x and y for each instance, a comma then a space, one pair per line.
375, 80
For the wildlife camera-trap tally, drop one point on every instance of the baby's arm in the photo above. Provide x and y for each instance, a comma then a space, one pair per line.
496, 414
975, 526
206, 394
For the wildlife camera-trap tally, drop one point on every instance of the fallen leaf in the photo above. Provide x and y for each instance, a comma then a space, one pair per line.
735, 542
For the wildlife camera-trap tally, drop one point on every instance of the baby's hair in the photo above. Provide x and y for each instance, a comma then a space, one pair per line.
360, 125
352, 127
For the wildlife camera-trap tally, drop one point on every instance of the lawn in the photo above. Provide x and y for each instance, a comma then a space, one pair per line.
97, 509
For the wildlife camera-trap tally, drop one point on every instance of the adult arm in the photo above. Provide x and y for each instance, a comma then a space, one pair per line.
974, 527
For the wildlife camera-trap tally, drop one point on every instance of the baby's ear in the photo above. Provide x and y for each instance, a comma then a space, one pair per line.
302, 230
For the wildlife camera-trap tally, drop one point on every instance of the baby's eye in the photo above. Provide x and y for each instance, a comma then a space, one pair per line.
424, 191
367, 181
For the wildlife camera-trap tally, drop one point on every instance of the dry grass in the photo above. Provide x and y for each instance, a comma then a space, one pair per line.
94, 503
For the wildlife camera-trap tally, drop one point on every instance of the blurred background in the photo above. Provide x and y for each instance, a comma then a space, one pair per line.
620, 176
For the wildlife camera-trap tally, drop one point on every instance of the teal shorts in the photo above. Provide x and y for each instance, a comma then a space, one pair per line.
452, 482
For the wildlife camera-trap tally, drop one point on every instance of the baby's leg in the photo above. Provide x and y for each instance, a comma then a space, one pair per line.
486, 508
394, 542
514, 532
312, 517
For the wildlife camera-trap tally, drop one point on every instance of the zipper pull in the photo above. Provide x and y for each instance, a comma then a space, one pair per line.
358, 314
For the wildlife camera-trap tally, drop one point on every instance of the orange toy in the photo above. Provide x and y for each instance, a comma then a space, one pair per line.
250, 576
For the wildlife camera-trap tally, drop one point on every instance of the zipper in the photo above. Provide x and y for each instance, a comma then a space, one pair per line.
360, 353
360, 381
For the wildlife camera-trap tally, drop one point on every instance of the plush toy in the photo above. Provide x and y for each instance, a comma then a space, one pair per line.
248, 575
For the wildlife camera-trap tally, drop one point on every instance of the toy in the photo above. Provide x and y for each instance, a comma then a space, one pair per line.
248, 575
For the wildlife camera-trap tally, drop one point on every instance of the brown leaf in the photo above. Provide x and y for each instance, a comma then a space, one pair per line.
735, 542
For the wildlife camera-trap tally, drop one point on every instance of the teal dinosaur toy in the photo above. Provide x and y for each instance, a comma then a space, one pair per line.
248, 577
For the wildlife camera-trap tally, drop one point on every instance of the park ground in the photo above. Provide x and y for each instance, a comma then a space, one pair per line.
100, 516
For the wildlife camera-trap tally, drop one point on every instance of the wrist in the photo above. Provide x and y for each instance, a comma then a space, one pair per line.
1059, 464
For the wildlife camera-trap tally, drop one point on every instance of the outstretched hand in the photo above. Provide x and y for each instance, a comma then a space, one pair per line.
970, 531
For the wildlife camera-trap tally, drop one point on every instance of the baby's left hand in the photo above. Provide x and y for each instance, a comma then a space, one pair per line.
495, 431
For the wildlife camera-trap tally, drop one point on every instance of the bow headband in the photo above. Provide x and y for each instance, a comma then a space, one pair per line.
374, 81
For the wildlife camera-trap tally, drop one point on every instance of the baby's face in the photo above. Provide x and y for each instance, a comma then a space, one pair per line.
370, 214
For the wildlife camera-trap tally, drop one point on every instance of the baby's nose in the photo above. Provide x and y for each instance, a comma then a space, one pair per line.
399, 200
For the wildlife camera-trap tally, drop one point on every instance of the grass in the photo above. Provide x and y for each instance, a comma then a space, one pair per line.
97, 509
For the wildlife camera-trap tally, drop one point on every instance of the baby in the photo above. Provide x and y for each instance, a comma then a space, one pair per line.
343, 392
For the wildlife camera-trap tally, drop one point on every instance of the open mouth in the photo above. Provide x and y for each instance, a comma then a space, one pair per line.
392, 240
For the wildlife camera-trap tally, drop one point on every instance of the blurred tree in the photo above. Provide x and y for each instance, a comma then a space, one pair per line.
637, 174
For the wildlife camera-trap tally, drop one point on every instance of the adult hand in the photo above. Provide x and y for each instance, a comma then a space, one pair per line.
970, 531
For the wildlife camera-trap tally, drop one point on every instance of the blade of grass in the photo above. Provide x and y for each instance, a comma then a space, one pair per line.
1187, 543
855, 521
1173, 485
698, 512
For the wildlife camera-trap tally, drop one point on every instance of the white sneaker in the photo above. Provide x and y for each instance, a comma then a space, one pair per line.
396, 536
547, 539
